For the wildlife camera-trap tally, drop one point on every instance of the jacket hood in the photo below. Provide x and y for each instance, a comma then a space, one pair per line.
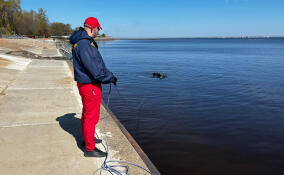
78, 35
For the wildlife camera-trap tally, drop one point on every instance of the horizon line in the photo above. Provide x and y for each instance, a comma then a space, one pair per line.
209, 37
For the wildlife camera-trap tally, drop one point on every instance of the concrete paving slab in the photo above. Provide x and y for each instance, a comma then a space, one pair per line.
6, 79
9, 70
46, 81
36, 51
40, 130
5, 74
41, 149
36, 106
51, 53
41, 75
19, 63
48, 63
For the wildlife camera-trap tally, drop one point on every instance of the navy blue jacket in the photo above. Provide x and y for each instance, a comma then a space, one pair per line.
88, 64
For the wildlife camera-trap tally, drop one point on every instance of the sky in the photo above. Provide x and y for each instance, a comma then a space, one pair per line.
170, 18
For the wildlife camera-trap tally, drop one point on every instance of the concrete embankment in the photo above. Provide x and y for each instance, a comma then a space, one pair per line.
40, 111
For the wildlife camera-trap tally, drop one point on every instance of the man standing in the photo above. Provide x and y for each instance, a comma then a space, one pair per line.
89, 72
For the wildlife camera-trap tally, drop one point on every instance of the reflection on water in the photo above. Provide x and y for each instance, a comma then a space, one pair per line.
219, 111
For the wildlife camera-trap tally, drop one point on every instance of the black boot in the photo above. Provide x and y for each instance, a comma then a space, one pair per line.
95, 153
96, 141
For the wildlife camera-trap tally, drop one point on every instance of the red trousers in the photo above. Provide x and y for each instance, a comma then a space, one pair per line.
91, 99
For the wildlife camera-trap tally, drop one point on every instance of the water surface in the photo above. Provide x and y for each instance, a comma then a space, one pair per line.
219, 111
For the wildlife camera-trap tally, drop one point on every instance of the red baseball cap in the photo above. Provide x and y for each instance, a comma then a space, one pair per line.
92, 22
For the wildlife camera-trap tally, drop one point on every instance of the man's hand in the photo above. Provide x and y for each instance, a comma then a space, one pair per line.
114, 80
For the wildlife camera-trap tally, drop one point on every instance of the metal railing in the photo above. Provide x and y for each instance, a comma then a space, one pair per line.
64, 47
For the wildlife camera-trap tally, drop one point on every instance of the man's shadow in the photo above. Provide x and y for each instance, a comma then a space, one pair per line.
72, 125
